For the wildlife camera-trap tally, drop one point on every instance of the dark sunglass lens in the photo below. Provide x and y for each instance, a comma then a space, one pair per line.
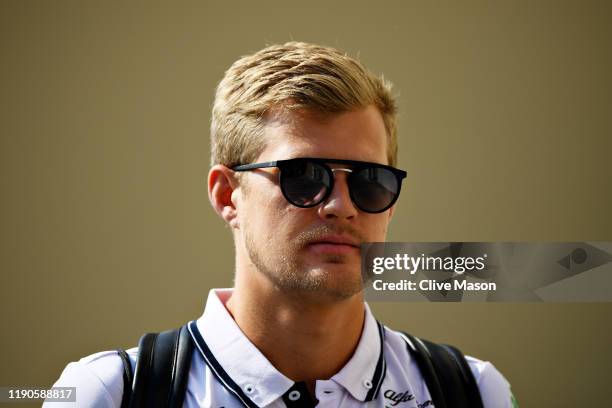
374, 188
305, 183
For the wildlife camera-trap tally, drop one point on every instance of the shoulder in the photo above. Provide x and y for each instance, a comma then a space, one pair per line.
98, 379
494, 388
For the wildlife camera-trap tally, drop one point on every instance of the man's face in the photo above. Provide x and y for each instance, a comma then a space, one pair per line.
312, 251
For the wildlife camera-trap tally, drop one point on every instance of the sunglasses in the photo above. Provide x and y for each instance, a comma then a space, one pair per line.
307, 182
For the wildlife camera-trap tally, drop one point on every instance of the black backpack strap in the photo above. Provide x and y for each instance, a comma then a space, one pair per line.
162, 369
128, 378
419, 351
447, 374
470, 385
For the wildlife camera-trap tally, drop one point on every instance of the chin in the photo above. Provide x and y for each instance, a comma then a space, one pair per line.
337, 280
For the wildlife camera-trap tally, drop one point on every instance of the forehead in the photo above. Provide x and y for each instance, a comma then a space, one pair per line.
354, 135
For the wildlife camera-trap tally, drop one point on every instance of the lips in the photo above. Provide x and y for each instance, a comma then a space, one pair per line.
336, 240
334, 244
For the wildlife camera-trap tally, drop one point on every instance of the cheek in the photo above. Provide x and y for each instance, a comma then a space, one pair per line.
260, 201
285, 223
377, 225
265, 215
287, 220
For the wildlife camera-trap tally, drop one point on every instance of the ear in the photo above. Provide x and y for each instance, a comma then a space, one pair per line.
222, 184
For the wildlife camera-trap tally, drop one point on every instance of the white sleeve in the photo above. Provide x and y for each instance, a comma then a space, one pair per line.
494, 388
98, 379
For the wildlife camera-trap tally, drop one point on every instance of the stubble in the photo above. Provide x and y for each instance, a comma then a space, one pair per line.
287, 271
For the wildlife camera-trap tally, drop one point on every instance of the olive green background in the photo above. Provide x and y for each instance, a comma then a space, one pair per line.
106, 230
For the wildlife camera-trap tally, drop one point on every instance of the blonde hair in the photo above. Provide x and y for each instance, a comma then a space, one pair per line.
294, 75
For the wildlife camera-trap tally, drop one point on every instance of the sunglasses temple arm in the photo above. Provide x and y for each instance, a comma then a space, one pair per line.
245, 167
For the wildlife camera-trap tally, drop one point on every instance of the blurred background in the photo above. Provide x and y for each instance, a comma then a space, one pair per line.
106, 231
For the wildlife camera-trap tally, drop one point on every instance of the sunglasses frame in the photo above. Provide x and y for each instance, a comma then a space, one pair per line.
355, 167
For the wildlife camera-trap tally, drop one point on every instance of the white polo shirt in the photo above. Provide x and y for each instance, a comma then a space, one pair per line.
228, 371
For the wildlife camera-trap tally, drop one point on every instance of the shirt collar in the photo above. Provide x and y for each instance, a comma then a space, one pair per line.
363, 374
246, 372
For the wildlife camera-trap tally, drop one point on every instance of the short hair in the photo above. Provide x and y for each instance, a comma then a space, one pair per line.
294, 75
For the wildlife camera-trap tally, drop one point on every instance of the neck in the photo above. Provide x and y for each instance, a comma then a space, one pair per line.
304, 339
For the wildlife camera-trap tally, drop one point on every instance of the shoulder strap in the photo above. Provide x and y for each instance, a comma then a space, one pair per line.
162, 370
128, 378
419, 351
446, 373
470, 386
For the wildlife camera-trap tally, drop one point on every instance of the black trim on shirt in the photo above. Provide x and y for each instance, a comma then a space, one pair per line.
381, 367
216, 368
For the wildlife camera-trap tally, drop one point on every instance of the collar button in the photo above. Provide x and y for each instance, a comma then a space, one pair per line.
294, 395
249, 388
367, 384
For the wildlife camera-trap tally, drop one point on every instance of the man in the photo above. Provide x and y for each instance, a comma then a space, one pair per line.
303, 144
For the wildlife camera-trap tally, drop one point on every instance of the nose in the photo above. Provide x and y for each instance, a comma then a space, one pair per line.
339, 203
